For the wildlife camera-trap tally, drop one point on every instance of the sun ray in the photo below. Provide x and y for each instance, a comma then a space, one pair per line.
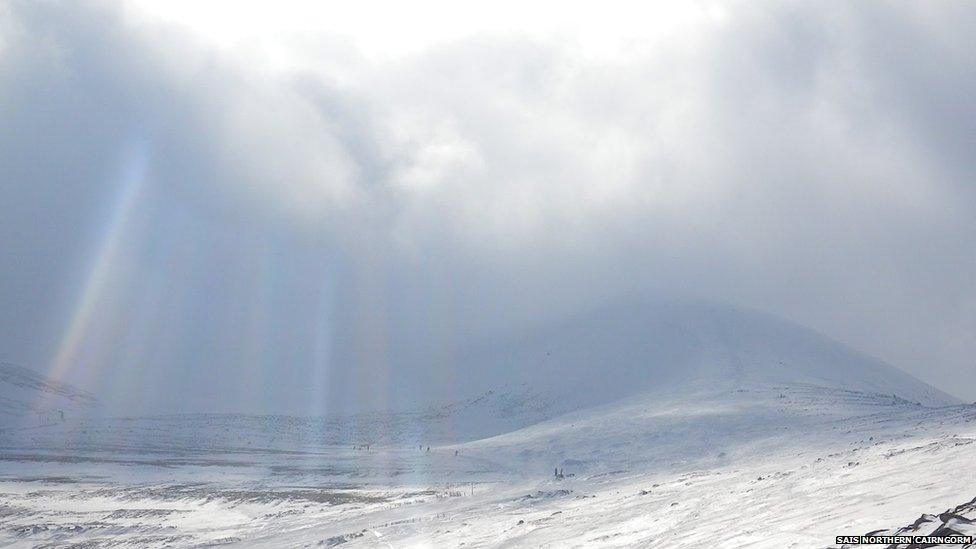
131, 181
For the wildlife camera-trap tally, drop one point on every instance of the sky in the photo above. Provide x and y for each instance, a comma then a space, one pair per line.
239, 206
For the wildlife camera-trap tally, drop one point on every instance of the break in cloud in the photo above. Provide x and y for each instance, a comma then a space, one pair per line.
193, 226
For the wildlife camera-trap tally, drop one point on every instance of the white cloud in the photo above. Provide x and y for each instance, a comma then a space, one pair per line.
497, 164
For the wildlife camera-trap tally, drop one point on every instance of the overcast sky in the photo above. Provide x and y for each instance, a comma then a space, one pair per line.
210, 202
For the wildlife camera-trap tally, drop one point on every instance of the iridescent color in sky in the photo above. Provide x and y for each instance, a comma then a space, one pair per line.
301, 207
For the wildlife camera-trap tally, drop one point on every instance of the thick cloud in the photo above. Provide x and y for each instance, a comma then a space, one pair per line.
185, 227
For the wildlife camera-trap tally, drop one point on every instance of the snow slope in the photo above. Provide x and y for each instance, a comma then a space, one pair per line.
765, 466
632, 347
28, 398
959, 520
673, 424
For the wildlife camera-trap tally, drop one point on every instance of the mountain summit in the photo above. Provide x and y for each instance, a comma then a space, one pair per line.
627, 348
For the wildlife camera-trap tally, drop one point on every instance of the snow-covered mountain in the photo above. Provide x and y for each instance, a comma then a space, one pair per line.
766, 466
671, 424
28, 398
652, 345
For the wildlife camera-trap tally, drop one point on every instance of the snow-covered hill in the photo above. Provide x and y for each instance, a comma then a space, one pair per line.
495, 411
629, 348
765, 466
669, 424
29, 399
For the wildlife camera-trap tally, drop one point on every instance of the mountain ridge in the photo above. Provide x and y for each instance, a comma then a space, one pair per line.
625, 348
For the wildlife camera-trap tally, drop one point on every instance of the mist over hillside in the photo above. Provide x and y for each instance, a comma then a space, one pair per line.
625, 348
28, 398
637, 345
544, 274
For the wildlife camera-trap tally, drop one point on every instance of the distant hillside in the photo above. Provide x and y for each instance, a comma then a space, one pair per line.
627, 348
28, 398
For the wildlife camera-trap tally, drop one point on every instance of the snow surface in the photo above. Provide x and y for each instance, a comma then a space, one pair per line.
699, 427
766, 466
